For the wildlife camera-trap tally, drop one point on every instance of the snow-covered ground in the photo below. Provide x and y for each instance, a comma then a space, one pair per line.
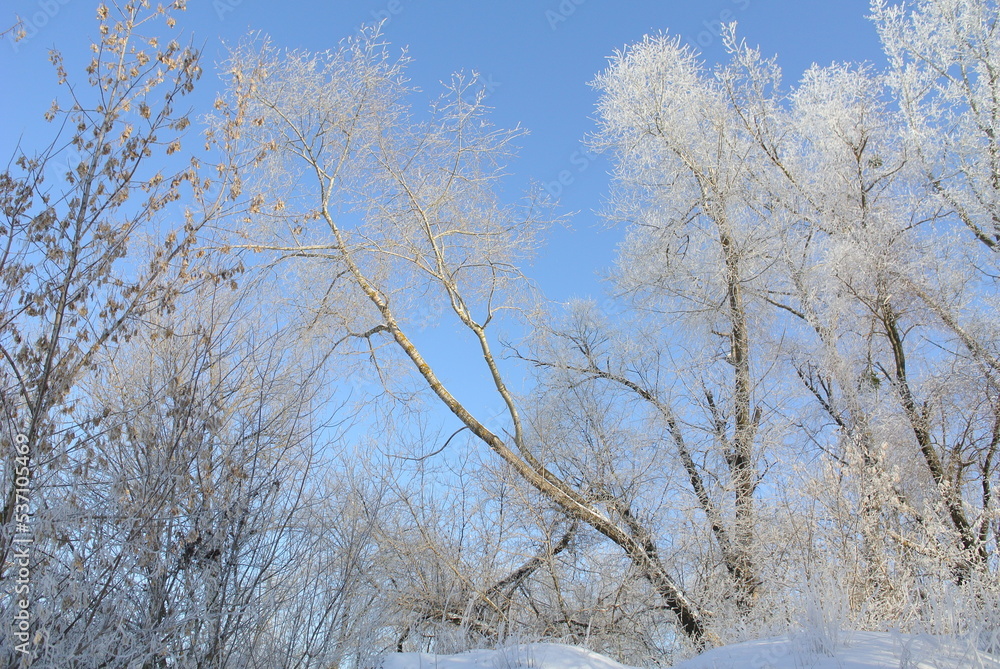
850, 650
535, 656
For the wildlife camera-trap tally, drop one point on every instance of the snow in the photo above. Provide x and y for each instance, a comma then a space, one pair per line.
852, 650
525, 656
849, 650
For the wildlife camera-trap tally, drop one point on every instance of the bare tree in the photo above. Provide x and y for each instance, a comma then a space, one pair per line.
793, 388
83, 264
72, 213
401, 211
182, 523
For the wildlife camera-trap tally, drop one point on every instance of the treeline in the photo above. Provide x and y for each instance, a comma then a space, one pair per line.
224, 443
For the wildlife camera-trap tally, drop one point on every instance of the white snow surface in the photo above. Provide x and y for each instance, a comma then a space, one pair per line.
848, 650
525, 656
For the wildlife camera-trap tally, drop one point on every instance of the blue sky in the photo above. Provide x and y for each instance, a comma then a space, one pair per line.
537, 56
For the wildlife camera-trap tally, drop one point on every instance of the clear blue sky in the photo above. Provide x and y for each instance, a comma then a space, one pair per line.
538, 55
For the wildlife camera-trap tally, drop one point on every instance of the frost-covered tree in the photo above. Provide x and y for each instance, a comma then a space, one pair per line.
191, 523
790, 401
82, 262
396, 211
805, 322
873, 255
806, 277
696, 264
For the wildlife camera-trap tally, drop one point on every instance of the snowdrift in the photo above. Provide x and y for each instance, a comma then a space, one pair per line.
850, 650
535, 656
